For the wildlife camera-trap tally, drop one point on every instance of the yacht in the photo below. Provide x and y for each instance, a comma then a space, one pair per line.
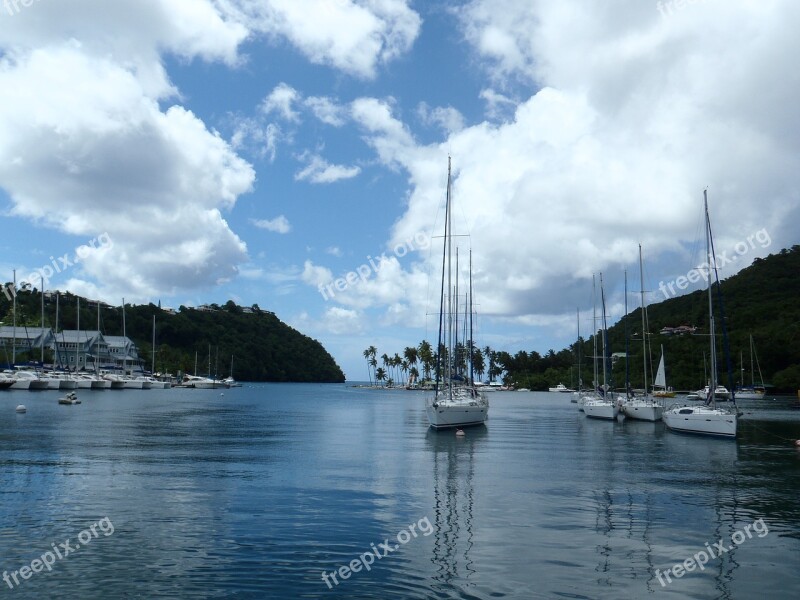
706, 419
455, 401
561, 388
200, 383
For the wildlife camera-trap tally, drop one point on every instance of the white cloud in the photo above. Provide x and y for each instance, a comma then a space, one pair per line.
278, 224
334, 251
448, 118
281, 100
155, 180
353, 36
314, 275
319, 171
326, 110
633, 117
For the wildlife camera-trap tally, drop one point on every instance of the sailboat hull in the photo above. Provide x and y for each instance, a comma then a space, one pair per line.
643, 410
702, 420
463, 407
447, 417
601, 409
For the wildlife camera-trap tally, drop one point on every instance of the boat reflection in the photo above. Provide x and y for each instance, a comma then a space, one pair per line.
454, 463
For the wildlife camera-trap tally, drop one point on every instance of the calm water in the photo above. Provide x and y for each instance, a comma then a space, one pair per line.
254, 493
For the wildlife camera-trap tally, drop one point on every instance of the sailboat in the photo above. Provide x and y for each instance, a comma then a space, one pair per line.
584, 395
455, 402
646, 407
660, 389
753, 391
605, 406
706, 419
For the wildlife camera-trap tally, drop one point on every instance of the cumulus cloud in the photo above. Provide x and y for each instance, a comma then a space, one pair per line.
631, 116
277, 225
114, 161
318, 170
447, 118
281, 100
352, 36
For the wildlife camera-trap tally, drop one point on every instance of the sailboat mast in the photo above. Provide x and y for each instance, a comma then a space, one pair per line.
449, 283
596, 381
580, 378
42, 280
58, 354
124, 342
713, 349
603, 305
471, 370
644, 323
454, 311
78, 335
153, 361
627, 344
97, 357
14, 334
441, 295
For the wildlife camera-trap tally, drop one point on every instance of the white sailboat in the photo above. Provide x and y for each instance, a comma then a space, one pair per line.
660, 389
646, 407
707, 419
585, 395
605, 406
455, 402
753, 391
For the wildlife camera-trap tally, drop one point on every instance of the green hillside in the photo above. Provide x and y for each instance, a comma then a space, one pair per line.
264, 348
761, 300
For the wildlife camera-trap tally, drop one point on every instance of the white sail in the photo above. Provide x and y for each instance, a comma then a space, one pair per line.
661, 379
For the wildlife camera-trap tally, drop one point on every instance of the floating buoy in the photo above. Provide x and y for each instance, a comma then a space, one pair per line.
460, 433
21, 408
222, 393
796, 442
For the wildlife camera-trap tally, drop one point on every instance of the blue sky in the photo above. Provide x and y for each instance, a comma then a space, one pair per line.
257, 150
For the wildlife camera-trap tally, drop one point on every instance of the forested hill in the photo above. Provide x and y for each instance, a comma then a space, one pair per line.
762, 300
262, 346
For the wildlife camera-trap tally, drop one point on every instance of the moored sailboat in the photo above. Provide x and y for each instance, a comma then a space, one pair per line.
646, 407
605, 405
707, 419
455, 402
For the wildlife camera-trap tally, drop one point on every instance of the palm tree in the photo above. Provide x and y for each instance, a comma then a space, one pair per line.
487, 352
367, 355
385, 360
411, 355
380, 374
413, 372
477, 362
373, 362
396, 360
426, 356
404, 368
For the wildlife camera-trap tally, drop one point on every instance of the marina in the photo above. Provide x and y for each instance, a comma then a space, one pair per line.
248, 496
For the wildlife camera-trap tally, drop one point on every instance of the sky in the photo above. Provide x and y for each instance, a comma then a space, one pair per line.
200, 151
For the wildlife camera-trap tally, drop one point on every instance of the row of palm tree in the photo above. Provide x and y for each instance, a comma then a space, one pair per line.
398, 370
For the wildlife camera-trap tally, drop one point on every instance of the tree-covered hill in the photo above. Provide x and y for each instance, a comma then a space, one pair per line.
262, 346
761, 300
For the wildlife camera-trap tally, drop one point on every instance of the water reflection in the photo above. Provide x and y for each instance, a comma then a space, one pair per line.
454, 464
